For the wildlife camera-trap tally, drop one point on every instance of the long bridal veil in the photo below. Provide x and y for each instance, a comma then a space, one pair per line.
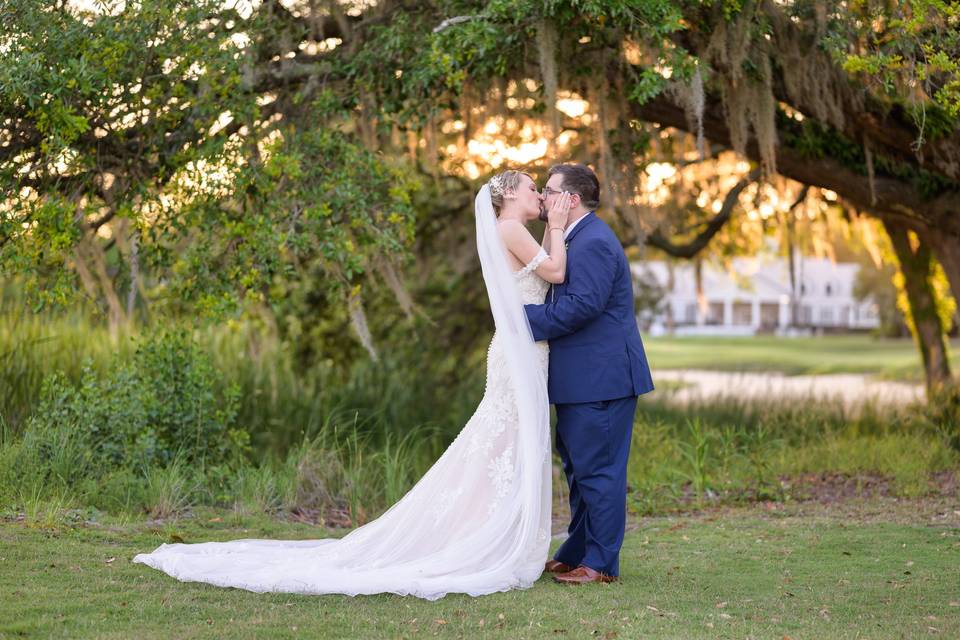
477, 522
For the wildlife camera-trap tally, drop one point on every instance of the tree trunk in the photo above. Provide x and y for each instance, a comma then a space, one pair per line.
702, 306
134, 274
80, 264
671, 285
916, 265
792, 262
946, 248
128, 246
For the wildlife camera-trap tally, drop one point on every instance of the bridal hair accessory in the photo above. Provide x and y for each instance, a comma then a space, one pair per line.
498, 184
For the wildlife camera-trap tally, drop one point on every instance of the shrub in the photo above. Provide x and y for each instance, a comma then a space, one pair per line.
942, 411
161, 410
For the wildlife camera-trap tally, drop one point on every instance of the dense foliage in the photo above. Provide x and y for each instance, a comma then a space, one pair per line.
292, 161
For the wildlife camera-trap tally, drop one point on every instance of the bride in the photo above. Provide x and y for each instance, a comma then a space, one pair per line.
478, 521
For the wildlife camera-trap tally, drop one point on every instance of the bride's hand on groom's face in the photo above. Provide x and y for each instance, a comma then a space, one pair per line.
559, 212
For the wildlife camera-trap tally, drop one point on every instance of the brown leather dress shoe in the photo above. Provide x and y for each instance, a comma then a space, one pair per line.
582, 575
555, 566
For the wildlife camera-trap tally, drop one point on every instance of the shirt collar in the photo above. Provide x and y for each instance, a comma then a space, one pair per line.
569, 230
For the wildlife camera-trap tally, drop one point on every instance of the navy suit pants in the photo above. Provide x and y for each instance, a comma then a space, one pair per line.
593, 440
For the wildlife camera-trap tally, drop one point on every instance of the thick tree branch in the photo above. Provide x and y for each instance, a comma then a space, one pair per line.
695, 246
102, 220
449, 22
890, 127
896, 199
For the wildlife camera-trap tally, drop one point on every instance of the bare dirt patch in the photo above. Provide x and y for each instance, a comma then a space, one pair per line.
860, 499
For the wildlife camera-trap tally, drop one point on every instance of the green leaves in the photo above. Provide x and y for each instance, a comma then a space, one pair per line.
163, 404
316, 205
60, 123
104, 111
907, 50
647, 84
145, 141
40, 236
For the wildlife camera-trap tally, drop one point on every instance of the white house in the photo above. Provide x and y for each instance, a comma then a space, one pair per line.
754, 297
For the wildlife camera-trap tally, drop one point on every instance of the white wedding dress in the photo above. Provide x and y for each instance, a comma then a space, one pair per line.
478, 521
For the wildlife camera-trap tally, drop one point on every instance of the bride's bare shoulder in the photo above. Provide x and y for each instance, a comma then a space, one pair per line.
512, 229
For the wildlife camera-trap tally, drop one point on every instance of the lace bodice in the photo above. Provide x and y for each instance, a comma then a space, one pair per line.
533, 288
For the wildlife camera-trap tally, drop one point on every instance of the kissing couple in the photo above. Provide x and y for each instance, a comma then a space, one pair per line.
478, 521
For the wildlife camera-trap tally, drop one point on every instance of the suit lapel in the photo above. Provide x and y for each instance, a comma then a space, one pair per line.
584, 221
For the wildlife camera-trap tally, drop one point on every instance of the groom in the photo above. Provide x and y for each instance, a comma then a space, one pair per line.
597, 370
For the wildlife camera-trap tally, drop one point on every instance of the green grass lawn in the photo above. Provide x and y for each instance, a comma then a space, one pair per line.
893, 359
730, 574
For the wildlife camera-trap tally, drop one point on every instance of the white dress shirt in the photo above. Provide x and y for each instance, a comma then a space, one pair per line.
568, 230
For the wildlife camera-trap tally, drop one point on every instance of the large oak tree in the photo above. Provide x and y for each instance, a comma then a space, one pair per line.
231, 153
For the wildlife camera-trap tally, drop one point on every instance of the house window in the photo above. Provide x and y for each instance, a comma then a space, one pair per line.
690, 313
769, 315
844, 319
829, 289
742, 314
715, 313
826, 316
806, 314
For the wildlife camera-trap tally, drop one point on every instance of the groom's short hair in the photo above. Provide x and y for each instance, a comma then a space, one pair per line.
581, 180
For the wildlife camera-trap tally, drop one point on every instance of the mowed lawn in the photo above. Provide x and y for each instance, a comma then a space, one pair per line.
891, 359
732, 574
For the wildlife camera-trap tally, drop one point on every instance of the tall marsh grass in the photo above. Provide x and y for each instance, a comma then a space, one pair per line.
34, 346
340, 446
320, 439
727, 450
279, 401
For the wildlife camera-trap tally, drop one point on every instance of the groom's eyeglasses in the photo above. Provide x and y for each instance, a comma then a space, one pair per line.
546, 191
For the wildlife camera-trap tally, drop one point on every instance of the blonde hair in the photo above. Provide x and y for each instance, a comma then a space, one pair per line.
501, 183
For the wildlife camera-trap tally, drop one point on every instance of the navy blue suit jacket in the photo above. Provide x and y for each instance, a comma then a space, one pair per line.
595, 348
